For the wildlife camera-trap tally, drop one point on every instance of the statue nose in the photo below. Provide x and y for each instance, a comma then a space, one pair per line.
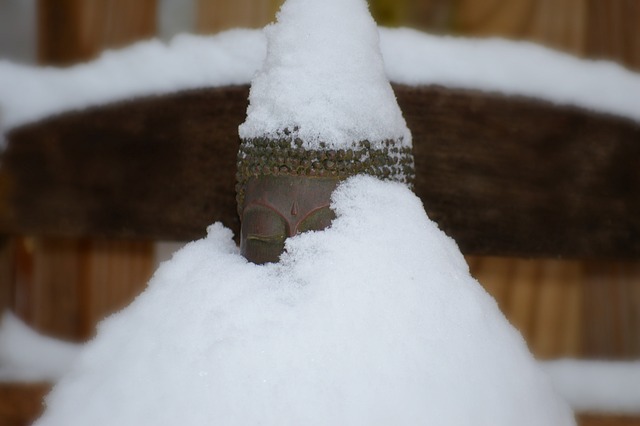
292, 230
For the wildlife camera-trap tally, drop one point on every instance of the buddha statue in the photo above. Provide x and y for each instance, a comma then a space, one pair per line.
284, 188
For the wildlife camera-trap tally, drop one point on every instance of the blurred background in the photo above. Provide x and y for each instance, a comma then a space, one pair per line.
62, 287
564, 308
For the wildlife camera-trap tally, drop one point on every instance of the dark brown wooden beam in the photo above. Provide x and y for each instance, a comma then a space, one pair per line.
502, 175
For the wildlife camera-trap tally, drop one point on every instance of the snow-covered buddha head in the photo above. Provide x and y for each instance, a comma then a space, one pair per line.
321, 109
285, 188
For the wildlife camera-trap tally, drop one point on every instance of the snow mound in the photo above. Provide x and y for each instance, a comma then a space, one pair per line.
323, 79
373, 321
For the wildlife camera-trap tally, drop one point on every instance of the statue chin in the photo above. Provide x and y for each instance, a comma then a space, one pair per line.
278, 207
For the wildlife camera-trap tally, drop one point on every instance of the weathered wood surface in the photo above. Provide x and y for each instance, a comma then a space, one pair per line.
217, 15
64, 286
71, 31
558, 23
567, 308
588, 28
502, 175
21, 403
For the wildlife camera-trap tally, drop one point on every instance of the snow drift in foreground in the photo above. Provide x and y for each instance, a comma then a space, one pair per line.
611, 387
374, 321
233, 57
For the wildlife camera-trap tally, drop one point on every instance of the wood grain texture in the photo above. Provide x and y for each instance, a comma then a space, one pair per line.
64, 286
578, 309
614, 31
114, 273
6, 273
21, 403
509, 176
557, 23
46, 285
502, 175
612, 309
70, 31
217, 15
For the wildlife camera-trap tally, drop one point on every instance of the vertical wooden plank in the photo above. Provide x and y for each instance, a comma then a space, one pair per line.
46, 285
21, 403
572, 320
560, 24
612, 310
23, 271
58, 36
116, 272
58, 291
614, 31
597, 314
558, 310
391, 13
434, 16
6, 273
541, 298
64, 287
634, 332
493, 17
496, 276
626, 303
56, 281
556, 23
76, 30
219, 15
523, 297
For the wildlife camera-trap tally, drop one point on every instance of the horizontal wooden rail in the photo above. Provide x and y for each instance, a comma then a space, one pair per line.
502, 175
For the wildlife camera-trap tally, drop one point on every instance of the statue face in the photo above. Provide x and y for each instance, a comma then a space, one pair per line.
277, 207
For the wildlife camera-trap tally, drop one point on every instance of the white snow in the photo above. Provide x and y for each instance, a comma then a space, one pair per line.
598, 386
374, 321
27, 356
323, 79
411, 57
146, 68
610, 387
517, 68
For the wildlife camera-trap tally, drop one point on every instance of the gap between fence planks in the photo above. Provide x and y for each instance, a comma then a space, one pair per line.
502, 175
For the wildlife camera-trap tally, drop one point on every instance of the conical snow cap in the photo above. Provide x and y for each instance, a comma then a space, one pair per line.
322, 104
323, 80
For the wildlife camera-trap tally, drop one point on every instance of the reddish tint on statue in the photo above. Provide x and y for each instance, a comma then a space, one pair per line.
277, 207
